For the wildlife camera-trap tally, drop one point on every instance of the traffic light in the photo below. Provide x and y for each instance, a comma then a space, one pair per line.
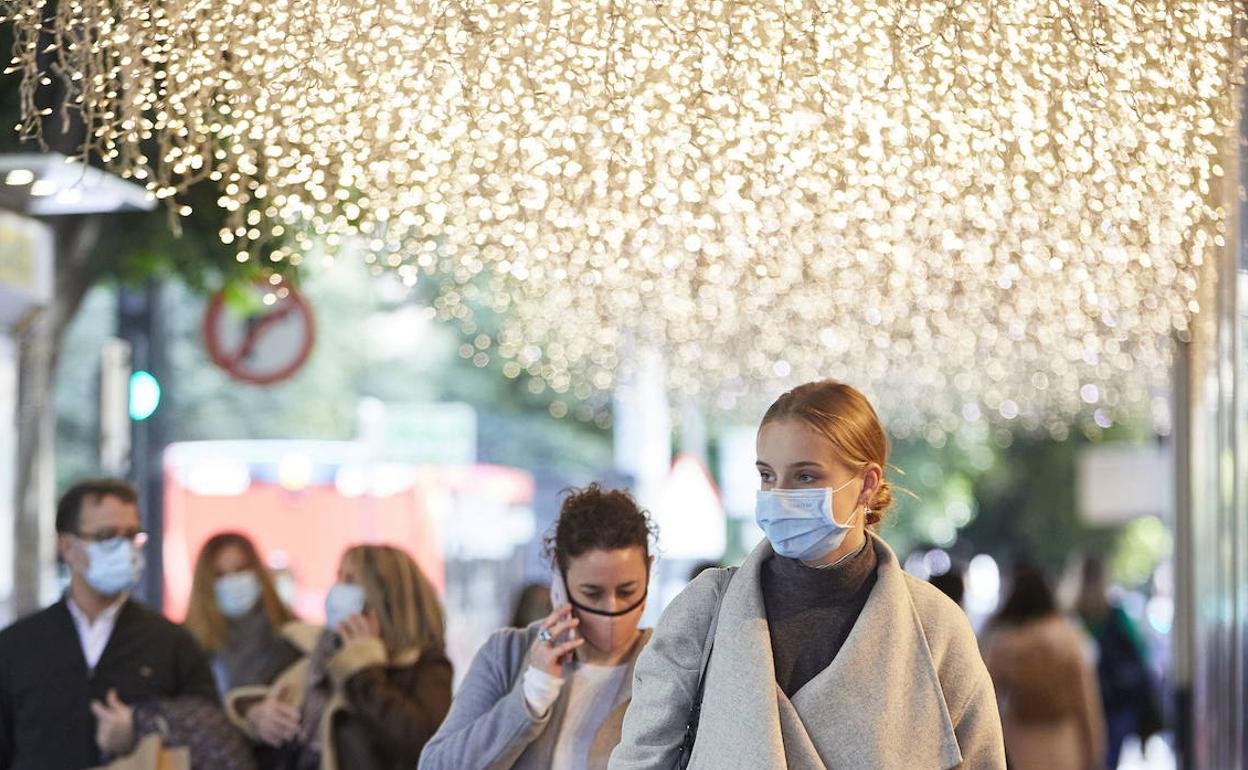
144, 395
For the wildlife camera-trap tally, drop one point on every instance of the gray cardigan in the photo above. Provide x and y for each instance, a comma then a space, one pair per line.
907, 690
490, 727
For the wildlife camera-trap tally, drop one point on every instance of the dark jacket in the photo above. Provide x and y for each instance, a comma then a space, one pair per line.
46, 689
382, 712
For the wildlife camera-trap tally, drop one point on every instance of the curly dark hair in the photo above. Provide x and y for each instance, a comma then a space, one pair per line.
594, 518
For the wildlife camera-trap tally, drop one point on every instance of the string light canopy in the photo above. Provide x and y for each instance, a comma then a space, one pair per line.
973, 210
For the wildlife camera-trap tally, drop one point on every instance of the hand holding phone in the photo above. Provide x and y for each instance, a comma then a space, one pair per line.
558, 600
557, 639
552, 647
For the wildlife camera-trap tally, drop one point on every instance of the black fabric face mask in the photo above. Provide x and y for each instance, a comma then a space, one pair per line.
604, 613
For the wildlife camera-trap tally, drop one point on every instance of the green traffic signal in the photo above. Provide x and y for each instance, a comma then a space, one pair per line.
144, 395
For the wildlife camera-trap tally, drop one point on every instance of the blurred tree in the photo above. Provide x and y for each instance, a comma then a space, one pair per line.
89, 250
374, 340
1027, 504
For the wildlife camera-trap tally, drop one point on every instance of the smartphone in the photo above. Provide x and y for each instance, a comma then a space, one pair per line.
558, 598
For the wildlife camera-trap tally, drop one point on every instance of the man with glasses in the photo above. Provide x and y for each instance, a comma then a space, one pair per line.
70, 674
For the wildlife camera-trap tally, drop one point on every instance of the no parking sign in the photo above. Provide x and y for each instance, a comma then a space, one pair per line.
265, 338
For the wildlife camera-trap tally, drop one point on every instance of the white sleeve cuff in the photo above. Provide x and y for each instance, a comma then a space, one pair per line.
541, 690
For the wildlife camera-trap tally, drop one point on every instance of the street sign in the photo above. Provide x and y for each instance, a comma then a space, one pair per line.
443, 433
262, 337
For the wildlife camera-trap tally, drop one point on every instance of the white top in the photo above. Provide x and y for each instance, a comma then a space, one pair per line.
590, 699
541, 690
94, 636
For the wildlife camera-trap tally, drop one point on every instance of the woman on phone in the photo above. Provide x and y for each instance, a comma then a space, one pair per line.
823, 652
553, 695
375, 687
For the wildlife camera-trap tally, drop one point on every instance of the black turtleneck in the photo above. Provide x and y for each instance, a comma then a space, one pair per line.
811, 611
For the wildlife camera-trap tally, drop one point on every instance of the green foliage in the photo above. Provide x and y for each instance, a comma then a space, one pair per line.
1140, 546
1027, 504
372, 342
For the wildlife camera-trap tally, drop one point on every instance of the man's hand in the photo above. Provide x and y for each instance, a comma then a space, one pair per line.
114, 725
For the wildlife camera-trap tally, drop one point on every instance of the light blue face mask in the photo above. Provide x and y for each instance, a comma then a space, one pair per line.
237, 594
799, 522
115, 565
343, 600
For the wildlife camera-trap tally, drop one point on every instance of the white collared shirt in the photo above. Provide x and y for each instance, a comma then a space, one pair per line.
94, 636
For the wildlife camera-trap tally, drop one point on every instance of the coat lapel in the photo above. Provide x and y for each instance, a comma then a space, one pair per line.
879, 704
739, 705
864, 708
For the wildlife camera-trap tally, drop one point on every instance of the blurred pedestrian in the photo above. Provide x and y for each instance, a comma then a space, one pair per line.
1041, 664
951, 582
532, 603
1129, 694
71, 674
377, 684
553, 695
822, 651
237, 617
701, 567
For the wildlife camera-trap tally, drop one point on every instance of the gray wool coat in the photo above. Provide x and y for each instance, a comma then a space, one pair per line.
907, 691
490, 727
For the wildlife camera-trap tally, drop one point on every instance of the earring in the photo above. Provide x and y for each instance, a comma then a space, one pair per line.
866, 512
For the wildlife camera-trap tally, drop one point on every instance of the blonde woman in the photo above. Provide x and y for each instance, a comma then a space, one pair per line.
237, 617
819, 651
376, 686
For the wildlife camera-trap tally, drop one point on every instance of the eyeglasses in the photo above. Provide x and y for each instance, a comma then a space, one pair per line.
136, 536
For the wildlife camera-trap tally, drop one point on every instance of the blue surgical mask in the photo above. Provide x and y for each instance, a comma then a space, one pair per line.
237, 594
115, 565
799, 522
343, 599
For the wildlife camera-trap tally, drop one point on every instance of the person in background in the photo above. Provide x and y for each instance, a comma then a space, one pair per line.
532, 603
1041, 665
1129, 696
951, 582
236, 616
375, 687
822, 651
553, 695
71, 674
701, 567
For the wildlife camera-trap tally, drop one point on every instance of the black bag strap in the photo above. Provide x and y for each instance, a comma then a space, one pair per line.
695, 709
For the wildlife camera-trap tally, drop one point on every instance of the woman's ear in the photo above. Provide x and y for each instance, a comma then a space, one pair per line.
870, 483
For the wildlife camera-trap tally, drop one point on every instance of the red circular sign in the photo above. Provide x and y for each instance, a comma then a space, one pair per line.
263, 345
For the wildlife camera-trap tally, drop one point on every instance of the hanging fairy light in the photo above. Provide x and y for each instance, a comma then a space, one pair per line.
976, 211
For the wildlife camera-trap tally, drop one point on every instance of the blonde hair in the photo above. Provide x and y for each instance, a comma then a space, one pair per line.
203, 617
844, 416
405, 602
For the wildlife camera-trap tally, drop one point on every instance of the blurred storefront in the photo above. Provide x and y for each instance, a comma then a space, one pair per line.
1211, 462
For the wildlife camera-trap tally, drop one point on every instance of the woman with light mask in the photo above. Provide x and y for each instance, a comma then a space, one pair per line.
376, 685
237, 617
819, 651
553, 695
